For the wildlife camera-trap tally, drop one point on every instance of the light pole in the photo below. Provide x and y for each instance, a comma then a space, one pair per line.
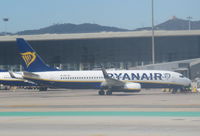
153, 44
5, 20
189, 22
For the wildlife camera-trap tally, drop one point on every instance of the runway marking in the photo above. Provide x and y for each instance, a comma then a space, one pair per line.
102, 113
102, 106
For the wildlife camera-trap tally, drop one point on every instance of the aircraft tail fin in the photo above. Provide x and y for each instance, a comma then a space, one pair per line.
31, 60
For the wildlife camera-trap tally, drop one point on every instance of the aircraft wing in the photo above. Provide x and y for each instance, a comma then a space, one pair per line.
111, 81
116, 85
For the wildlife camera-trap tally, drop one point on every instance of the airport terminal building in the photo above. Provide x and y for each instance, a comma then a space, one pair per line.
121, 50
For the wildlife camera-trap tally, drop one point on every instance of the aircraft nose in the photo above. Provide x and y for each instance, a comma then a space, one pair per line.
188, 82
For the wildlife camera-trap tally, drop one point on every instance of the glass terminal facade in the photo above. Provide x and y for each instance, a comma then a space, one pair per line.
119, 53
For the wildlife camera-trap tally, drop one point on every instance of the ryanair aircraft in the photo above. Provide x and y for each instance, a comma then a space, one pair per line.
7, 79
111, 81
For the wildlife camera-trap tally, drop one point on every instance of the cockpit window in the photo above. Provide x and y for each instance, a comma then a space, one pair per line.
181, 76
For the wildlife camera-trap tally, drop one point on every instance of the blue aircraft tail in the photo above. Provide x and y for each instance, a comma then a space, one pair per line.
31, 60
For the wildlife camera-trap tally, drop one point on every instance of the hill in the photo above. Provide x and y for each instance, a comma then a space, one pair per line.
171, 24
175, 24
72, 28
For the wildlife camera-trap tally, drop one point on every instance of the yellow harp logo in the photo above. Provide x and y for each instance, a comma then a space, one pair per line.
28, 57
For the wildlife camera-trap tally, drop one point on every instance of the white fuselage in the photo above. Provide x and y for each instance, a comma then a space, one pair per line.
93, 79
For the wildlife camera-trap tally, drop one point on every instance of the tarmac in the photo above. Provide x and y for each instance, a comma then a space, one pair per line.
84, 113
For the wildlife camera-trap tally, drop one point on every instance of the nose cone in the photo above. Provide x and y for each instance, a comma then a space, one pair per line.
188, 82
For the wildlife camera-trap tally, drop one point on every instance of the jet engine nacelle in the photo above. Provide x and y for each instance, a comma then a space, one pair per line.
132, 87
126, 87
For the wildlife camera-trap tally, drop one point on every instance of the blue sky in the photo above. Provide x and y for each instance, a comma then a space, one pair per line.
130, 14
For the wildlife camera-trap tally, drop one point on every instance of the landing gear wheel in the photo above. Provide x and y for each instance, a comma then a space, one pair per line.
101, 92
109, 92
174, 91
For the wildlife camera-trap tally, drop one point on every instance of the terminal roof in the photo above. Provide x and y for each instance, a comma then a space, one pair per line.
100, 35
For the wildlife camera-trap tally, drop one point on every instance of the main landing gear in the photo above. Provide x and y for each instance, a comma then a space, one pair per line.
102, 92
174, 91
42, 88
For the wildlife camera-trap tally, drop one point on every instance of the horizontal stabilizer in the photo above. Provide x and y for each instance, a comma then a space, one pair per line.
30, 75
